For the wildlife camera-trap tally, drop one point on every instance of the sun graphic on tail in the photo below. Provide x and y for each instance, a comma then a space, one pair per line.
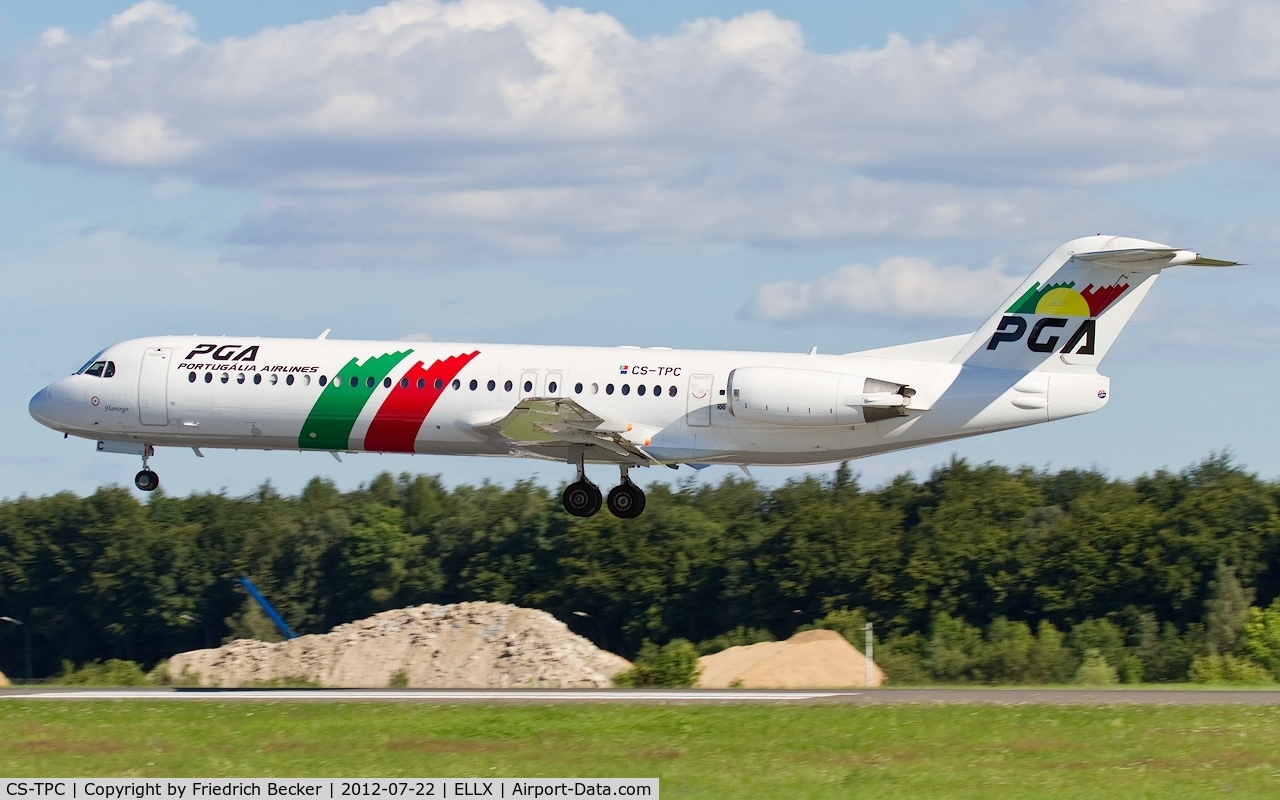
1062, 300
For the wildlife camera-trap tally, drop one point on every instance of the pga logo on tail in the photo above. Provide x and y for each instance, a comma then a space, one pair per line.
1056, 304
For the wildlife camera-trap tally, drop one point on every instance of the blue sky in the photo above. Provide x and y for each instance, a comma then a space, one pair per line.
624, 173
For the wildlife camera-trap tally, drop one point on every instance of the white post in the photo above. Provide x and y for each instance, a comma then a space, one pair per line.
870, 663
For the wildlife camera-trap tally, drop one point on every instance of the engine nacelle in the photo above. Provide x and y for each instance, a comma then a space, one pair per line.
813, 398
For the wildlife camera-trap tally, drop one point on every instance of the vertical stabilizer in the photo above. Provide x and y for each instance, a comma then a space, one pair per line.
1068, 313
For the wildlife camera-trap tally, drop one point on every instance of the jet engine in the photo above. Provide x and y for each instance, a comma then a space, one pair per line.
813, 398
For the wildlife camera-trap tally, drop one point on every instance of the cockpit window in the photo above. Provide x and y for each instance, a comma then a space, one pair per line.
90, 363
101, 369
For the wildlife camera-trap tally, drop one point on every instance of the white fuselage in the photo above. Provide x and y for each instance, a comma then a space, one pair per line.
442, 398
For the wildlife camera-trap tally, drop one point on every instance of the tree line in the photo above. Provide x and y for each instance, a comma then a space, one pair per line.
977, 573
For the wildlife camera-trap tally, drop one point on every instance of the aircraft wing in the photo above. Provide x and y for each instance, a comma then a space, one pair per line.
547, 426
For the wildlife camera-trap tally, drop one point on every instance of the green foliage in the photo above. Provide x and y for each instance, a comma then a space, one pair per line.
737, 637
285, 682
399, 680
673, 664
112, 672
953, 650
1262, 637
1050, 661
1226, 610
1095, 670
1216, 668
1128, 567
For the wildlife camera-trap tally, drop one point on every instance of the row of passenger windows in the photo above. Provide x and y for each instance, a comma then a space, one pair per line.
421, 383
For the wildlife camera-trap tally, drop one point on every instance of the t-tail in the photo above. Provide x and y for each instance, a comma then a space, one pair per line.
1068, 313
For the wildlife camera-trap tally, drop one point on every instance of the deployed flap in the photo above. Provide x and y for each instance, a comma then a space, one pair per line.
540, 421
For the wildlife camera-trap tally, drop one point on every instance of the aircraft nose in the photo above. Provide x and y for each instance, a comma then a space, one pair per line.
43, 407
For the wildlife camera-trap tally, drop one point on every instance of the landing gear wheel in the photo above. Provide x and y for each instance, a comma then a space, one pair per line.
146, 480
582, 498
626, 501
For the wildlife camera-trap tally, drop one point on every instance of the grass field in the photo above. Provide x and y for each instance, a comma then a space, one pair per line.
801, 751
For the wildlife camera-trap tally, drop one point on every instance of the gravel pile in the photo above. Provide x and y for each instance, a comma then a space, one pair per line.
809, 660
462, 645
3, 680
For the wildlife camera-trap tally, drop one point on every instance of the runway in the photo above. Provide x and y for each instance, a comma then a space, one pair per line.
988, 696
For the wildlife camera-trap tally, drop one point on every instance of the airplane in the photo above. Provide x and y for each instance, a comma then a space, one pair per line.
1034, 360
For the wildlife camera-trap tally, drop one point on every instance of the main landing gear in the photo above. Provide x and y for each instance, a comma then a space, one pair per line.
582, 498
146, 480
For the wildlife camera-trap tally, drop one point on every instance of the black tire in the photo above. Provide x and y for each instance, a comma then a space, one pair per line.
146, 481
581, 498
626, 501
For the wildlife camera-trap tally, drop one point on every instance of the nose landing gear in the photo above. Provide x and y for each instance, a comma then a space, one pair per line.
146, 480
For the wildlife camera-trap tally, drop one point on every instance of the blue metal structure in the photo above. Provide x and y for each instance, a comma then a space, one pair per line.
271, 612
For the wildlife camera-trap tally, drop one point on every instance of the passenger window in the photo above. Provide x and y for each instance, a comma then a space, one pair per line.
191, 377
111, 370
258, 378
577, 388
722, 392
355, 381
438, 384
595, 388
474, 385
506, 387
386, 383
639, 390
306, 380
528, 386
96, 369
239, 377
608, 389
323, 380
289, 380
370, 381
226, 377
457, 384
491, 385
626, 388
208, 377
551, 387
275, 379
672, 391
422, 383
404, 383
657, 391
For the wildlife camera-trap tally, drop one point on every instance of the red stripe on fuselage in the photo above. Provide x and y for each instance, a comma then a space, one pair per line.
395, 427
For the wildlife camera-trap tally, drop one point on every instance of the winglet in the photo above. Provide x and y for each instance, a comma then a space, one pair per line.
324, 334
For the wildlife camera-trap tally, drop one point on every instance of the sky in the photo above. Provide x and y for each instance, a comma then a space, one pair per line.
706, 173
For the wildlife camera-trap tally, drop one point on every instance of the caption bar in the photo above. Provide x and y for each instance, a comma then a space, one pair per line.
324, 788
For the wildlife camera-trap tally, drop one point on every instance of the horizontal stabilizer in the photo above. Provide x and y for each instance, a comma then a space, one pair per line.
1152, 258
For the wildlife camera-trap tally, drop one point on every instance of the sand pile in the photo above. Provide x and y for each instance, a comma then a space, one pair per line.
808, 660
3, 680
464, 645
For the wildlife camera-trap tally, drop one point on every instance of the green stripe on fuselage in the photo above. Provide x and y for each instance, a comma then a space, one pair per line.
328, 426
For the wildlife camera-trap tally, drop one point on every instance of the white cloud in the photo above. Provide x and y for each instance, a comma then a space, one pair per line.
421, 128
898, 286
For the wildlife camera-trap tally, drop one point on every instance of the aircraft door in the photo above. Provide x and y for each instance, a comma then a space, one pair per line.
153, 386
699, 402
528, 385
555, 384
